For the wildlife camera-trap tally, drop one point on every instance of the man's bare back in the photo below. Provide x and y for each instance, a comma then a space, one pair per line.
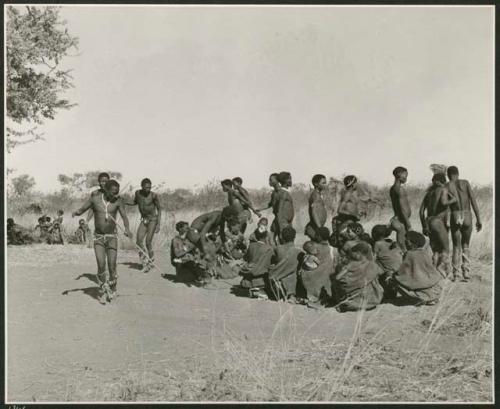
460, 189
400, 202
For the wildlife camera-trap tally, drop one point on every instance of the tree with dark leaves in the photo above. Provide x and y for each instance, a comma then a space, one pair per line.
37, 41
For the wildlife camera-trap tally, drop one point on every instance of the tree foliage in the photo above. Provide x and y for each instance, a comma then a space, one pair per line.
82, 182
22, 185
36, 43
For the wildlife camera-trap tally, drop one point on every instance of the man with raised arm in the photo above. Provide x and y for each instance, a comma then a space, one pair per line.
105, 206
102, 179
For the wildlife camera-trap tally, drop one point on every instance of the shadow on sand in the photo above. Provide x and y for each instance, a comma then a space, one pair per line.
240, 291
90, 291
186, 279
132, 265
88, 276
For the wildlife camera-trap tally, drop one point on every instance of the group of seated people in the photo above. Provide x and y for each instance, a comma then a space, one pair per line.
347, 268
48, 230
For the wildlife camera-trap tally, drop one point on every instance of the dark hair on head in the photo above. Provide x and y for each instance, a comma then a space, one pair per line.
145, 181
309, 246
180, 225
274, 175
10, 220
439, 177
111, 183
380, 231
233, 221
103, 175
263, 220
398, 170
238, 180
47, 219
324, 233
357, 228
363, 248
283, 177
350, 180
317, 178
288, 234
41, 219
416, 238
81, 220
60, 211
227, 182
452, 170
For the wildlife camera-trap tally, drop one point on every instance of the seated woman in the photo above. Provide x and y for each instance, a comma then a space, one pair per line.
357, 285
256, 268
184, 255
417, 279
283, 273
316, 283
388, 256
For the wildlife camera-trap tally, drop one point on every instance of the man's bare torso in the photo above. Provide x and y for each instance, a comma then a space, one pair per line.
146, 204
101, 207
400, 202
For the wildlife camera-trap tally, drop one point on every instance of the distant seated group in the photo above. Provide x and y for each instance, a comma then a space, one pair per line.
346, 267
47, 231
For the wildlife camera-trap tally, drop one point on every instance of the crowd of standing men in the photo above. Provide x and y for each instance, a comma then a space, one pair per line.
342, 266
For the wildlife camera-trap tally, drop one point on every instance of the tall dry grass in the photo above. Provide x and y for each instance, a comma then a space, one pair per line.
437, 354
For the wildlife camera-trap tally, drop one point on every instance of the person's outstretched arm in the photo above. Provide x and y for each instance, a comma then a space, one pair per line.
156, 201
132, 202
423, 208
473, 202
447, 198
124, 217
86, 206
246, 201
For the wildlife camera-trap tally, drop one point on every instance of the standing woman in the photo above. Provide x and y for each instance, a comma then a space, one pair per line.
317, 208
436, 205
284, 205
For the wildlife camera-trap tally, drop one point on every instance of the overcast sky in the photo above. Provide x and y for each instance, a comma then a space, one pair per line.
188, 94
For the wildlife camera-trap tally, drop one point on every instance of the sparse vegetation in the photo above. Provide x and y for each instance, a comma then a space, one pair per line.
424, 354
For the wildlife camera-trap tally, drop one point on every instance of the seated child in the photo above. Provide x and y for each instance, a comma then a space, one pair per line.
83, 232
357, 285
262, 226
55, 235
417, 279
310, 260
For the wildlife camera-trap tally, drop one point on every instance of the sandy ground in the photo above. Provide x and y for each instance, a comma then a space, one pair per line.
63, 345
